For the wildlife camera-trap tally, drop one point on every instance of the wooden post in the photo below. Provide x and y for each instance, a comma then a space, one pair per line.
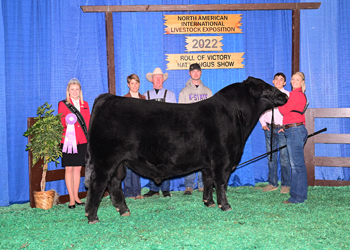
35, 171
309, 149
295, 40
110, 52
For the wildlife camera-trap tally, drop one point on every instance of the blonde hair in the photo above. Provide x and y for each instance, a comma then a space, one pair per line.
71, 82
301, 74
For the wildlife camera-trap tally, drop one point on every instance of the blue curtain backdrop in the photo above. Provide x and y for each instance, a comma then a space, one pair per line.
43, 44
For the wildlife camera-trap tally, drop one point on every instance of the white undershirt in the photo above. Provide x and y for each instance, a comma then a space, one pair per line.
76, 104
134, 95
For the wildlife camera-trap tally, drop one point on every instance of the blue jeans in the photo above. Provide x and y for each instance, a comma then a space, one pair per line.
132, 184
279, 140
296, 138
189, 180
165, 186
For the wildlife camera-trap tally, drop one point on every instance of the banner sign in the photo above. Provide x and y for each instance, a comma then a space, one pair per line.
203, 43
201, 24
206, 61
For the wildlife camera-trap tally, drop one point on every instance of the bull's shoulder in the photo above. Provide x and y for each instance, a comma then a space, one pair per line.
103, 97
101, 100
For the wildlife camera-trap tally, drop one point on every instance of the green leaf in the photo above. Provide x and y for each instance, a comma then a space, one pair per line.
46, 135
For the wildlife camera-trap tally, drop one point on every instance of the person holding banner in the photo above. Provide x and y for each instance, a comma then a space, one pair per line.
194, 91
296, 134
278, 140
75, 120
132, 183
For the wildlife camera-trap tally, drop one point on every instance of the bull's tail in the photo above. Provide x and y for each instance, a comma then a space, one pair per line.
88, 166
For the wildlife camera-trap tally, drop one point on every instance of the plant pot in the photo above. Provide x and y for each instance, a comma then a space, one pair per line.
44, 199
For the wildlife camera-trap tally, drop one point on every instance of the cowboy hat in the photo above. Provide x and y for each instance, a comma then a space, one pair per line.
157, 71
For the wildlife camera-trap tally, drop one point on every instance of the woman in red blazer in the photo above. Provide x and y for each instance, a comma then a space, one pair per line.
74, 161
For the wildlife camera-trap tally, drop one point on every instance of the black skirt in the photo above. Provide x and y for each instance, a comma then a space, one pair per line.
75, 160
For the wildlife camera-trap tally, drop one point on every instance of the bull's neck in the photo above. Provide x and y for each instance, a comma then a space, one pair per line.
252, 118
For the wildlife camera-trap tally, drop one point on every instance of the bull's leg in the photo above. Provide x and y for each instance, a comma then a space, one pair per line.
94, 196
116, 193
221, 187
208, 188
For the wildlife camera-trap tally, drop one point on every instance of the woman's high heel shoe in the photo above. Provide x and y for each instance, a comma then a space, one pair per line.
71, 207
80, 204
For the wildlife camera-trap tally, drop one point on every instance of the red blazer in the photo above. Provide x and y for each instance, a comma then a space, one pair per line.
85, 112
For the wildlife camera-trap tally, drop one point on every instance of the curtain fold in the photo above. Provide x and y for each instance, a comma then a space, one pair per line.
4, 169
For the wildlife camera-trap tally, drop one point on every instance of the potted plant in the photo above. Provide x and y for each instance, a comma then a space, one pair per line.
45, 144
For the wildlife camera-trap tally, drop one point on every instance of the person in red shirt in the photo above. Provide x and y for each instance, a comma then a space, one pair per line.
73, 162
296, 135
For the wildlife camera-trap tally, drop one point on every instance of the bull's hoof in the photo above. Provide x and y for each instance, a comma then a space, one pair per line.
126, 214
94, 222
209, 203
123, 211
225, 207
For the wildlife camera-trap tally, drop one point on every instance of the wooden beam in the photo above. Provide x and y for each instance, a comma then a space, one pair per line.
333, 138
109, 9
110, 52
332, 161
331, 183
332, 113
59, 174
199, 7
295, 40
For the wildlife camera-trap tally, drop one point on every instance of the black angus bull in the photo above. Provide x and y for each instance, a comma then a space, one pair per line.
163, 140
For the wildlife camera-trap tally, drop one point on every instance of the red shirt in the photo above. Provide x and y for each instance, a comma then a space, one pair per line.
85, 112
296, 101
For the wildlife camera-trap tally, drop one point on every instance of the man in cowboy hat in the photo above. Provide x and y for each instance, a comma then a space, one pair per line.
194, 91
158, 93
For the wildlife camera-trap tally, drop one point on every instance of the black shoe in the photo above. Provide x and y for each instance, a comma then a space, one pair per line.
71, 207
80, 204
166, 193
151, 193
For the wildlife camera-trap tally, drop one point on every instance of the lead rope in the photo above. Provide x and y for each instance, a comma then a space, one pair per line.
272, 122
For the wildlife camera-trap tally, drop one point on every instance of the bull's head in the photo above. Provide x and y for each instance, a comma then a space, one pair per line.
267, 94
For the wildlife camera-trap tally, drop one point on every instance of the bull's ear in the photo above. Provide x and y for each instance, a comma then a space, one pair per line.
255, 85
250, 79
256, 90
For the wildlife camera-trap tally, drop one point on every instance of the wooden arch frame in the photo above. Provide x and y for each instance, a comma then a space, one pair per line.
109, 9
